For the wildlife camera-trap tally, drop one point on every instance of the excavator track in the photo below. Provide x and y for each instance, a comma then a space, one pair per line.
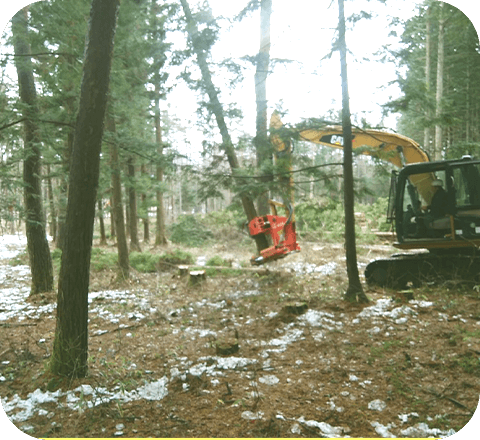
401, 271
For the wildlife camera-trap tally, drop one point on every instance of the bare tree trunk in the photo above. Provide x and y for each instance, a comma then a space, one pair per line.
103, 236
261, 141
439, 99
160, 238
217, 109
112, 217
146, 220
117, 205
37, 244
53, 214
132, 204
428, 80
70, 349
355, 288
70, 108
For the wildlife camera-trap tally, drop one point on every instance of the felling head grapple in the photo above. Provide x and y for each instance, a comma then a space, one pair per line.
281, 231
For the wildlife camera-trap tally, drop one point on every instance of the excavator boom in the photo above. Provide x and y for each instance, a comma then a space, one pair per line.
444, 221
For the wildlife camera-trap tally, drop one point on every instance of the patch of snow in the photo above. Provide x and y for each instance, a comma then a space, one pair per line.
249, 415
29, 406
32, 404
326, 429
13, 304
404, 417
217, 363
377, 405
383, 431
317, 318
310, 268
269, 379
422, 430
11, 246
296, 429
201, 260
233, 363
422, 304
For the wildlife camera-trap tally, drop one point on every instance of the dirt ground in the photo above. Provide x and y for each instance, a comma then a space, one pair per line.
247, 355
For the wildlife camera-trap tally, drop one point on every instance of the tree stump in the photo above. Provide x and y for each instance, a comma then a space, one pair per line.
182, 270
197, 276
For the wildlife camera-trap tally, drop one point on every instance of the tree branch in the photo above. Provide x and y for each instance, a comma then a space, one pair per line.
3, 127
11, 124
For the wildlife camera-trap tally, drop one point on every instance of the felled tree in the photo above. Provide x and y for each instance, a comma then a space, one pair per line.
217, 109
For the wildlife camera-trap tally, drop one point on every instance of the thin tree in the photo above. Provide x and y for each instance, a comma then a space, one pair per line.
355, 289
132, 205
439, 96
261, 141
117, 205
158, 45
37, 244
217, 109
428, 76
70, 350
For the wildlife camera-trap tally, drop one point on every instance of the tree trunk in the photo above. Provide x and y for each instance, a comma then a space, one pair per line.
117, 205
355, 288
112, 218
53, 214
103, 236
70, 107
428, 80
146, 220
439, 98
160, 238
37, 244
227, 145
261, 141
70, 350
132, 204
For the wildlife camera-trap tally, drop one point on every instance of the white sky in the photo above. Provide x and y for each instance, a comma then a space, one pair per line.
308, 87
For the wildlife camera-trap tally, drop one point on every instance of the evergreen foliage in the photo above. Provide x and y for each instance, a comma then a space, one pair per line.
460, 109
188, 230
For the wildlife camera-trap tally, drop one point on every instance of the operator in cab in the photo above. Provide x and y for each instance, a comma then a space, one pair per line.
438, 207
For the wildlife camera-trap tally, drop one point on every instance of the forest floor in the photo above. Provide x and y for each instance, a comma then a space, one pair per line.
245, 355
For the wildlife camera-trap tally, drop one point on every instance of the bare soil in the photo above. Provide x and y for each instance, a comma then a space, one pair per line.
244, 355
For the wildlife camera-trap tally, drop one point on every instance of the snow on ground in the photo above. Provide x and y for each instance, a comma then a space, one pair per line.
383, 315
11, 246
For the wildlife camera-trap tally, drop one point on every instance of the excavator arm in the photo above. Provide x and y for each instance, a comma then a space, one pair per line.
392, 147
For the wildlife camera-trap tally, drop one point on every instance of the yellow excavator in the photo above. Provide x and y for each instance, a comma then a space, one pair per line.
435, 207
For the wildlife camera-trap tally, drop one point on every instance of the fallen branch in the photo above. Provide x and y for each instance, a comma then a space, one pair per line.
9, 350
455, 402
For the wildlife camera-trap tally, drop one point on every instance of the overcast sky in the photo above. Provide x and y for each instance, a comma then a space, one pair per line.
310, 86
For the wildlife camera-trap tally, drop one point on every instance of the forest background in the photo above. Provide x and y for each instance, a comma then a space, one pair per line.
153, 164
156, 157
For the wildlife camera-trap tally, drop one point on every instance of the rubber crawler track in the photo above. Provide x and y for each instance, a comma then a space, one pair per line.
404, 270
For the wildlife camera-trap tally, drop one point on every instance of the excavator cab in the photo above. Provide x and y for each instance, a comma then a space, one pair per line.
437, 205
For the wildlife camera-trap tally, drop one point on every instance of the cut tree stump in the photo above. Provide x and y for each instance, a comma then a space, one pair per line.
183, 270
197, 276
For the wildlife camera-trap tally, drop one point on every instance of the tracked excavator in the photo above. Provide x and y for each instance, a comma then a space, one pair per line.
435, 207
